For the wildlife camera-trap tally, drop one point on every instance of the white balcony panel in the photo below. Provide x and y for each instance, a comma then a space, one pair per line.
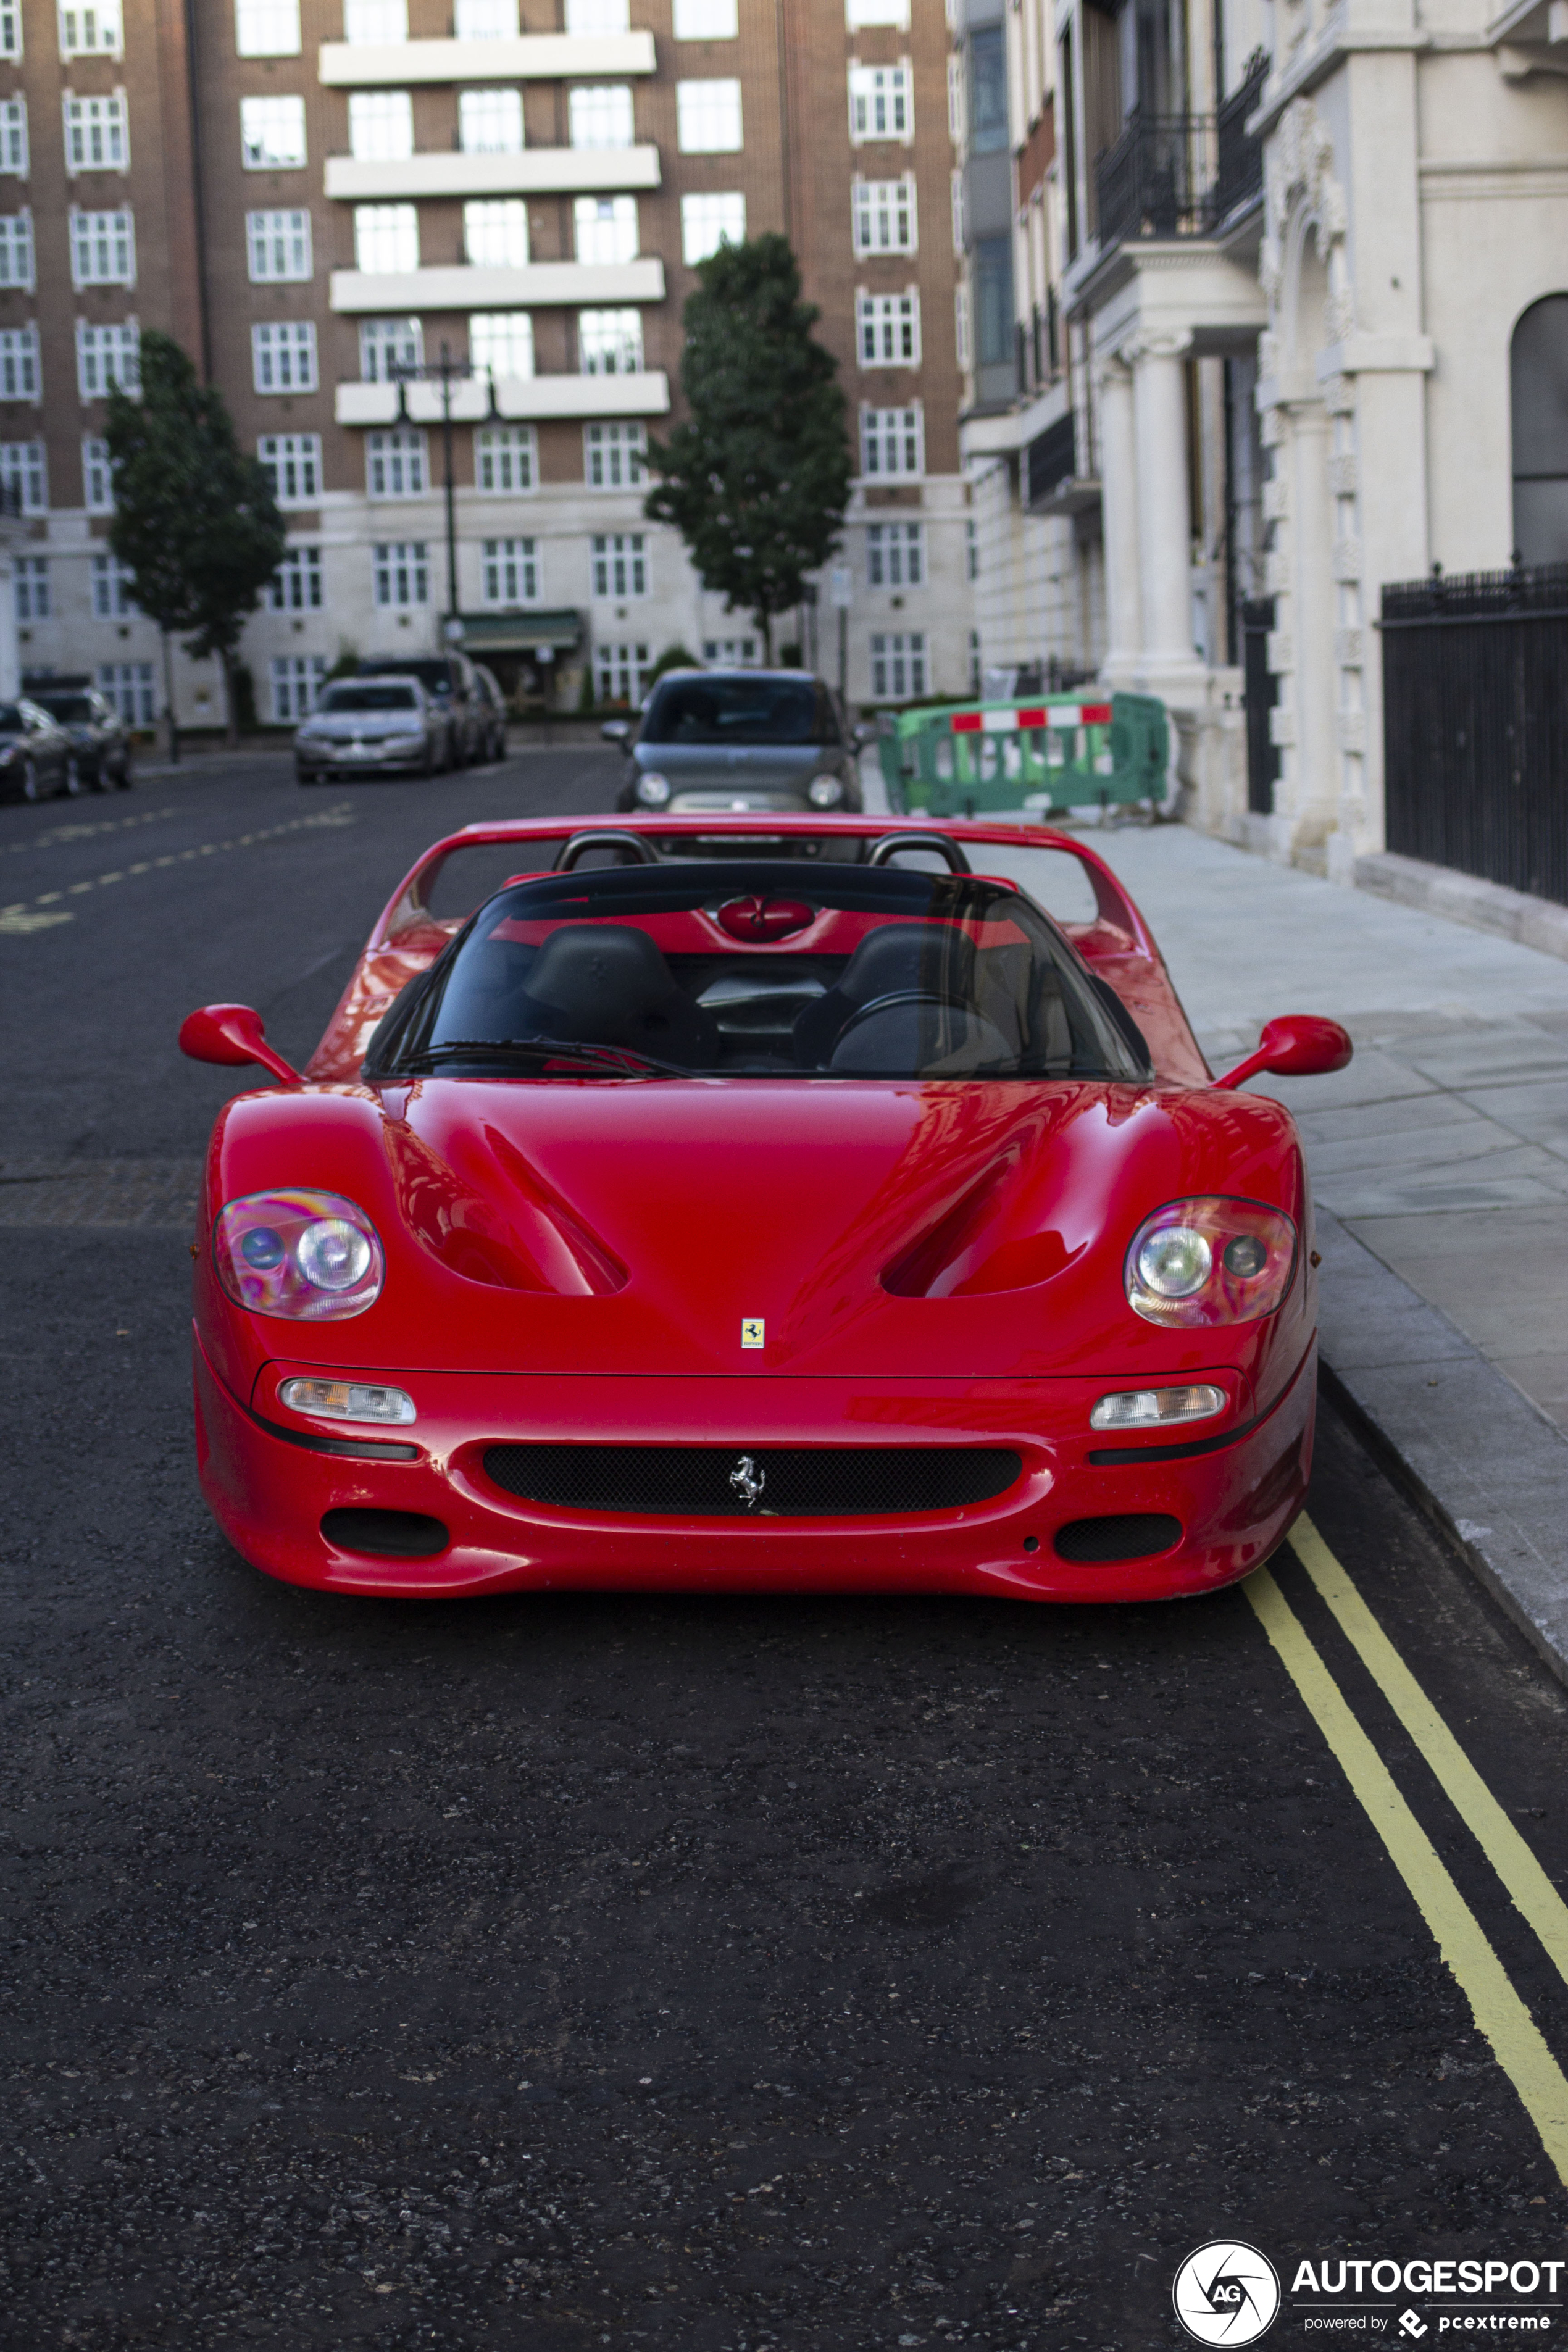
532, 397
396, 293
536, 56
536, 172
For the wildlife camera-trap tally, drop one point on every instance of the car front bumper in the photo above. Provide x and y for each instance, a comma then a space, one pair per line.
341, 758
269, 1482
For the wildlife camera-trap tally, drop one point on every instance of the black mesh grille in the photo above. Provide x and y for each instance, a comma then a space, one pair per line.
1129, 1534
390, 1535
721, 1481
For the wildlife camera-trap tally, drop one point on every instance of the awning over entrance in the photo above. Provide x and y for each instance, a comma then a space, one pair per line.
519, 632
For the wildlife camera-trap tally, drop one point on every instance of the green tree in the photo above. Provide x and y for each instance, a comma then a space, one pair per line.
196, 523
758, 479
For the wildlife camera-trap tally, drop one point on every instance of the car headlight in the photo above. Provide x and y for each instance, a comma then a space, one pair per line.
312, 1257
349, 1401
1211, 1260
824, 792
1148, 1408
653, 790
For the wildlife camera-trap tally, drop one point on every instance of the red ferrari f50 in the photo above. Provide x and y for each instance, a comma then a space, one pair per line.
730, 1203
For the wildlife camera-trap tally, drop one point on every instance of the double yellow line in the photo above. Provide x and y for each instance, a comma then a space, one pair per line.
1500, 2013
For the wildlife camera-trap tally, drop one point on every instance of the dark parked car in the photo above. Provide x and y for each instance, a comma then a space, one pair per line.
99, 736
494, 702
450, 680
771, 740
372, 722
36, 755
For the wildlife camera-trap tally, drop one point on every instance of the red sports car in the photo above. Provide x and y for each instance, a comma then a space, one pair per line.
730, 1203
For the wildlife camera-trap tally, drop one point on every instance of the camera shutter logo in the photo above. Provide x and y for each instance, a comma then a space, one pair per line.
1227, 2293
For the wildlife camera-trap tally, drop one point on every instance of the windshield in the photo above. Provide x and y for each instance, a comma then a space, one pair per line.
11, 719
761, 970
757, 710
435, 677
369, 698
75, 710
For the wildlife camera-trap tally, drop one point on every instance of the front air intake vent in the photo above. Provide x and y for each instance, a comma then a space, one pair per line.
386, 1534
793, 1482
1128, 1534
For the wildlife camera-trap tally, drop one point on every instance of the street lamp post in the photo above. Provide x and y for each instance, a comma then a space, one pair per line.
445, 372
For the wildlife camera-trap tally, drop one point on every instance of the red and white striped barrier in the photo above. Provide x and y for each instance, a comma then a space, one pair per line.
1047, 714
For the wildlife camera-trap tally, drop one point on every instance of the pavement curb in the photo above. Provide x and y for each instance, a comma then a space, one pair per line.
1470, 1450
1465, 898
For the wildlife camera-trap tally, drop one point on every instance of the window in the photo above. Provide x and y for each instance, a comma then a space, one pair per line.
96, 136
279, 247
705, 20
609, 342
13, 136
283, 356
614, 457
31, 575
266, 28
490, 121
888, 329
731, 653
858, 13
596, 17
381, 126
510, 571
388, 344
11, 30
892, 442
22, 470
96, 476
106, 355
987, 92
500, 343
129, 686
620, 672
272, 133
486, 20
601, 115
962, 338
505, 457
971, 550
20, 378
293, 464
400, 573
104, 248
895, 554
881, 103
960, 229
16, 250
707, 222
620, 565
898, 667
297, 680
375, 23
395, 463
91, 32
495, 232
606, 228
386, 238
884, 215
707, 117
991, 274
111, 589
295, 585
956, 108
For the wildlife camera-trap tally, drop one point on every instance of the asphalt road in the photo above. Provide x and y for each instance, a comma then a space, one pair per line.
700, 1975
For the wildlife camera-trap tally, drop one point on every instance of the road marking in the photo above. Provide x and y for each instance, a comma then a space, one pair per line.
64, 833
1532, 1890
24, 917
1501, 2017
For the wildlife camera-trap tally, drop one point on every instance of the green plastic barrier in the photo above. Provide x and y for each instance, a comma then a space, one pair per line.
1047, 753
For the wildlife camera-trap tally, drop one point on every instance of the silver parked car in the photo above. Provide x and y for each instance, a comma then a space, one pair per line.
363, 723
776, 741
99, 736
36, 756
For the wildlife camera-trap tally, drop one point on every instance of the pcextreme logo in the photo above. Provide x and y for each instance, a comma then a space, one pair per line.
1227, 2293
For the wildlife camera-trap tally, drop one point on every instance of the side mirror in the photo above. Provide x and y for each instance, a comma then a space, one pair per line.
1298, 1045
232, 1034
617, 731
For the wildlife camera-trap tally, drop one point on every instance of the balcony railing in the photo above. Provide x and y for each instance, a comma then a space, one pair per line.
1174, 175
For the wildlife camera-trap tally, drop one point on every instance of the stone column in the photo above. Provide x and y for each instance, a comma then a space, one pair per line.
1165, 512
1118, 520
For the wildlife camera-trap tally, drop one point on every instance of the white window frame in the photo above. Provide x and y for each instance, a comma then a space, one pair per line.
711, 218
15, 153
24, 465
895, 434
266, 28
400, 574
610, 223
106, 354
591, 19
11, 31
504, 334
490, 121
605, 338
495, 232
111, 589
396, 464
295, 585
485, 20
279, 247
272, 132
97, 474
98, 132
709, 117
621, 673
292, 462
731, 653
899, 668
92, 29
884, 215
388, 344
381, 125
18, 267
600, 114
963, 337
619, 566
103, 246
506, 460
859, 14
386, 239
297, 680
30, 587
21, 376
130, 687
375, 23
882, 105
283, 356
707, 20
509, 573
895, 555
614, 454
888, 329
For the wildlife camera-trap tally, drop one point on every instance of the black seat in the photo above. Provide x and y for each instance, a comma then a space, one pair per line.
896, 960
608, 984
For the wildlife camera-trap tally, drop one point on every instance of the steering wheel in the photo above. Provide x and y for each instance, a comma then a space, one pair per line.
900, 996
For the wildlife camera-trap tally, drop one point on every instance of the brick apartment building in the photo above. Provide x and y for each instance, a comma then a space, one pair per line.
312, 194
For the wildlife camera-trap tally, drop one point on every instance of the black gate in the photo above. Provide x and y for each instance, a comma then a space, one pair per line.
1475, 725
1260, 691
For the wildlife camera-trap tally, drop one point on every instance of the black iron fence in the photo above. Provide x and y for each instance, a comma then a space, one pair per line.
1475, 722
1181, 175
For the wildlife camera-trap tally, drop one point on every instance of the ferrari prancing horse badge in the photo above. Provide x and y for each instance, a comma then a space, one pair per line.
752, 1330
